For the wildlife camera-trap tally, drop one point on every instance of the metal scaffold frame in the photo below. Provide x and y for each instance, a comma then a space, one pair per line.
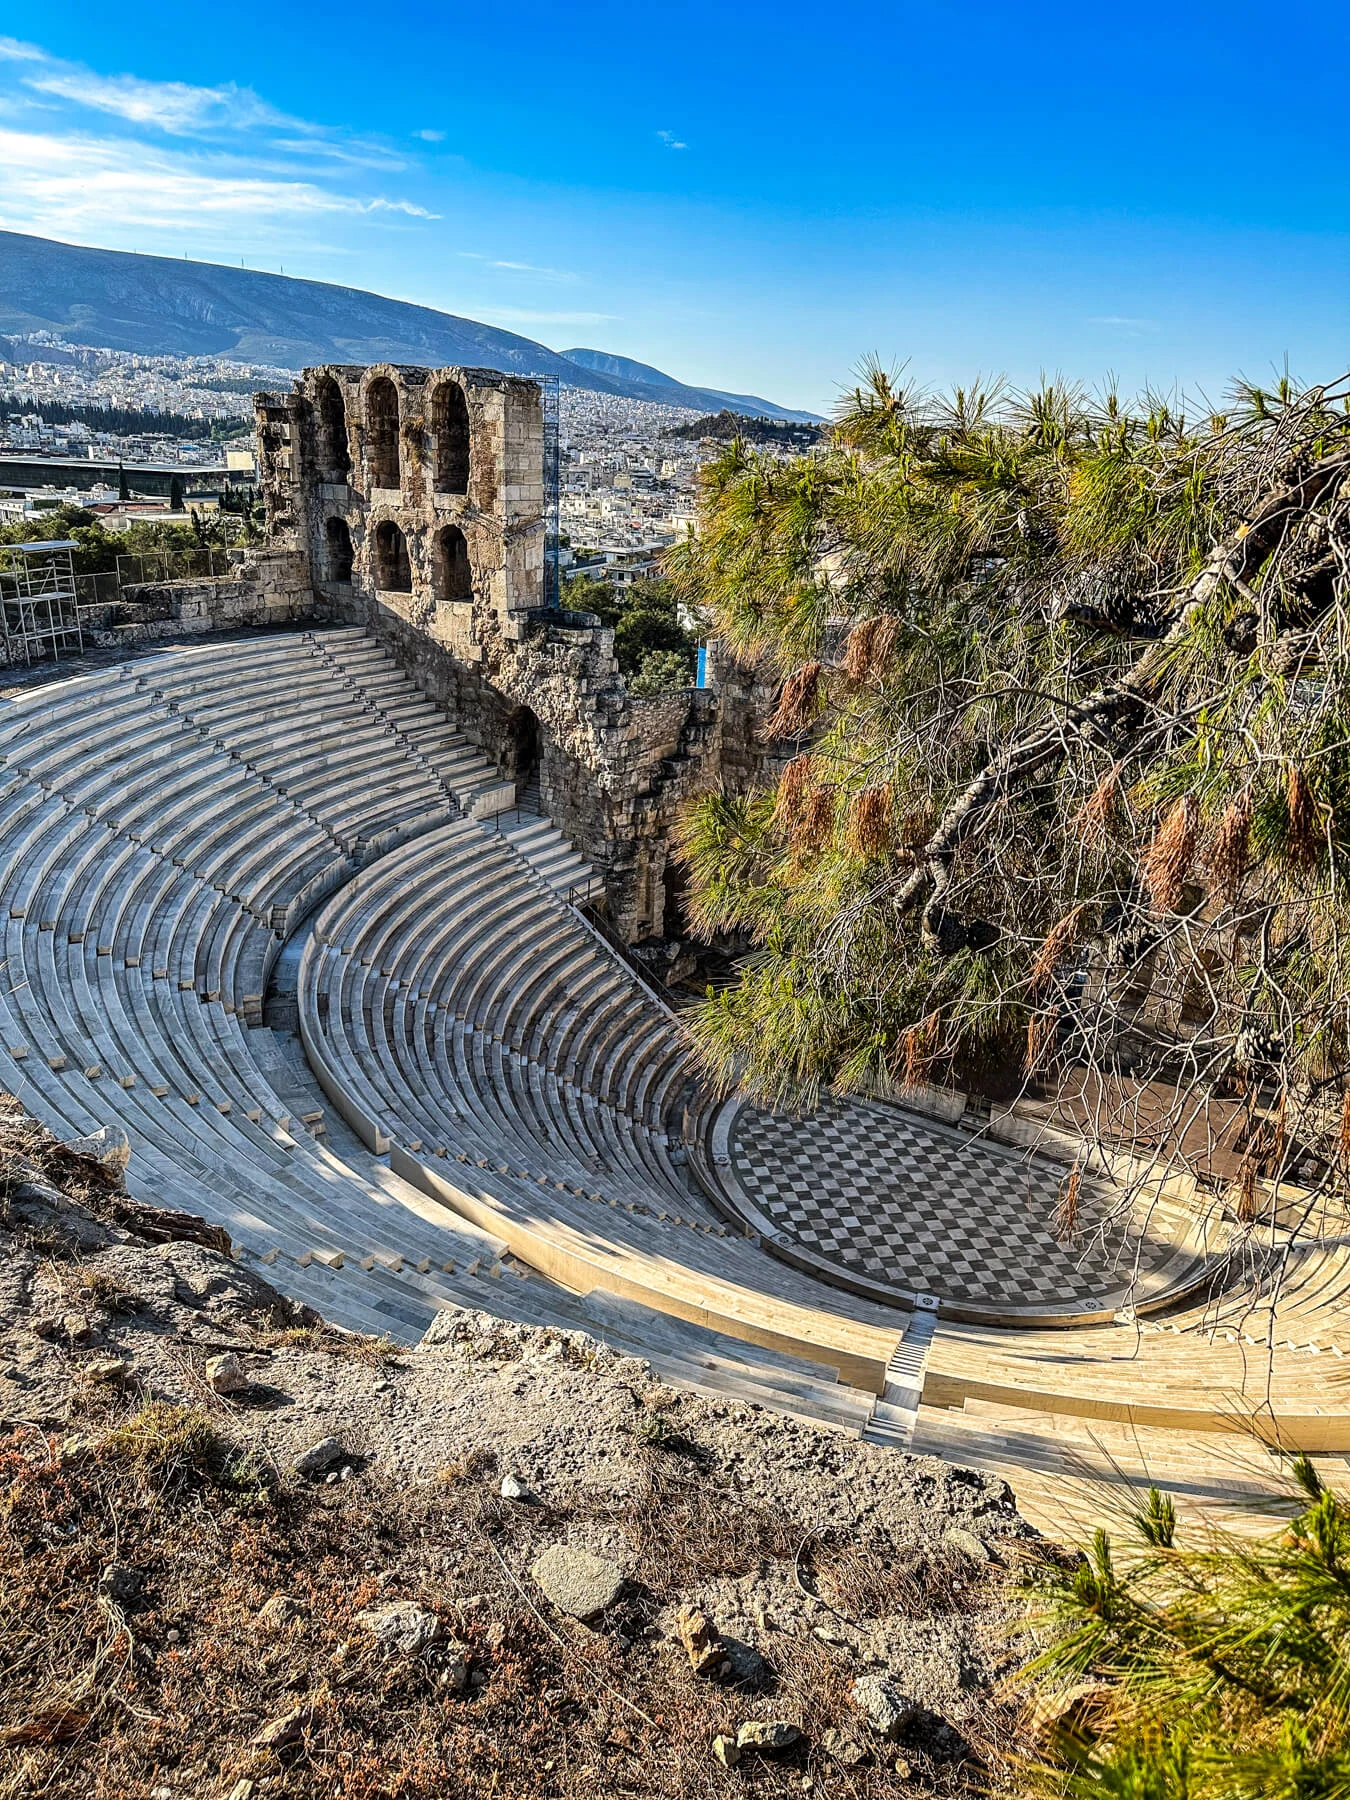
39, 608
552, 463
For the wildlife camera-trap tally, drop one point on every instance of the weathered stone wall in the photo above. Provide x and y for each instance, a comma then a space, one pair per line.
267, 587
417, 496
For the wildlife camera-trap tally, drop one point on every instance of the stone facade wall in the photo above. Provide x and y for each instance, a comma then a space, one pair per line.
356, 455
267, 587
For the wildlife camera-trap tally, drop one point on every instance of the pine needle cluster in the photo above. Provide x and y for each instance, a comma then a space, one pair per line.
1063, 725
1218, 1670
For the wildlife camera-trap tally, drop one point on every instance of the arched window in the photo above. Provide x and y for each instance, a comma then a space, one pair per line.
334, 457
382, 433
451, 574
339, 545
393, 571
450, 431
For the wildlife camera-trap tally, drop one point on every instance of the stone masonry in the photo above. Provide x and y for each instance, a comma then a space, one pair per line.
415, 498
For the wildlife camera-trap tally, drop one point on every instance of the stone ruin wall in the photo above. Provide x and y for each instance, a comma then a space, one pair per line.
454, 458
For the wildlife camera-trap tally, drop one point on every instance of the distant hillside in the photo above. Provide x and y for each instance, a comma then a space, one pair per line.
676, 393
727, 424
158, 306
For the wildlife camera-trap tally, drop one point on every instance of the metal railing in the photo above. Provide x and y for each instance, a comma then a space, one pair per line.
559, 618
99, 589
581, 901
154, 566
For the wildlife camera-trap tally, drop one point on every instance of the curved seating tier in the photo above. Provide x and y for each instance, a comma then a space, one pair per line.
164, 825
456, 1012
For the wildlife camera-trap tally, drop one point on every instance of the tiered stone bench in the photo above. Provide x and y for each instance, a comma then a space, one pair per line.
489, 1109
459, 1016
164, 826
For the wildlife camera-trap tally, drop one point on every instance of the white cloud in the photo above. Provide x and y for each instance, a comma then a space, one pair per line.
79, 184
524, 268
248, 163
516, 268
1115, 322
430, 136
671, 142
169, 106
181, 109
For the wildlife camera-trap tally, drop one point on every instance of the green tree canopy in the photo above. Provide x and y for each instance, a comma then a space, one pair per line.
647, 627
1062, 712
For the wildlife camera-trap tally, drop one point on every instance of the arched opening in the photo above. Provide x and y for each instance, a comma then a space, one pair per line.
450, 432
334, 457
674, 925
393, 571
382, 433
339, 545
452, 576
526, 744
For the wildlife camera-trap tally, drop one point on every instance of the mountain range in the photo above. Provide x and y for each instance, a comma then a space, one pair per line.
158, 306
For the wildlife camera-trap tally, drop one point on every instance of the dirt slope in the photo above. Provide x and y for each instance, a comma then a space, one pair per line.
184, 1613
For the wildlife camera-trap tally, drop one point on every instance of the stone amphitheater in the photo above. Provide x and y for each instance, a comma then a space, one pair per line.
294, 871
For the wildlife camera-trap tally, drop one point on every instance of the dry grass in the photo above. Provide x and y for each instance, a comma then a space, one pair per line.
348, 1346
100, 1700
863, 1582
684, 1530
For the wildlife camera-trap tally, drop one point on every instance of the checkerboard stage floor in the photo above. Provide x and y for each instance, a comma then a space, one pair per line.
931, 1209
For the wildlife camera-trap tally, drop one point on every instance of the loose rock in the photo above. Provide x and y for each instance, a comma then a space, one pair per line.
227, 1374
967, 1543
513, 1488
727, 1751
282, 1732
701, 1639
279, 1612
319, 1457
108, 1369
771, 1737
845, 1750
119, 1583
576, 1581
883, 1705
402, 1626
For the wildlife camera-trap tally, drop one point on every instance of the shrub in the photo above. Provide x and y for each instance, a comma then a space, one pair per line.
1219, 1671
659, 672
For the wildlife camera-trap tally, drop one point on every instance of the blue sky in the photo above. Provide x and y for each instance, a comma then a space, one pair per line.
752, 196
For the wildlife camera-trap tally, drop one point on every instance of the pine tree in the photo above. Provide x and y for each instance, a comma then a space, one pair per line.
1064, 701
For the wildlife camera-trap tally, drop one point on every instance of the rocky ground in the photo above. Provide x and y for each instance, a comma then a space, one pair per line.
245, 1555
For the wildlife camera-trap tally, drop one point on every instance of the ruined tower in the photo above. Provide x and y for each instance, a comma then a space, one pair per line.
417, 496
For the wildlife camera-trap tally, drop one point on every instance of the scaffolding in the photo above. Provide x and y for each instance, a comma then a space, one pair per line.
39, 608
552, 463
